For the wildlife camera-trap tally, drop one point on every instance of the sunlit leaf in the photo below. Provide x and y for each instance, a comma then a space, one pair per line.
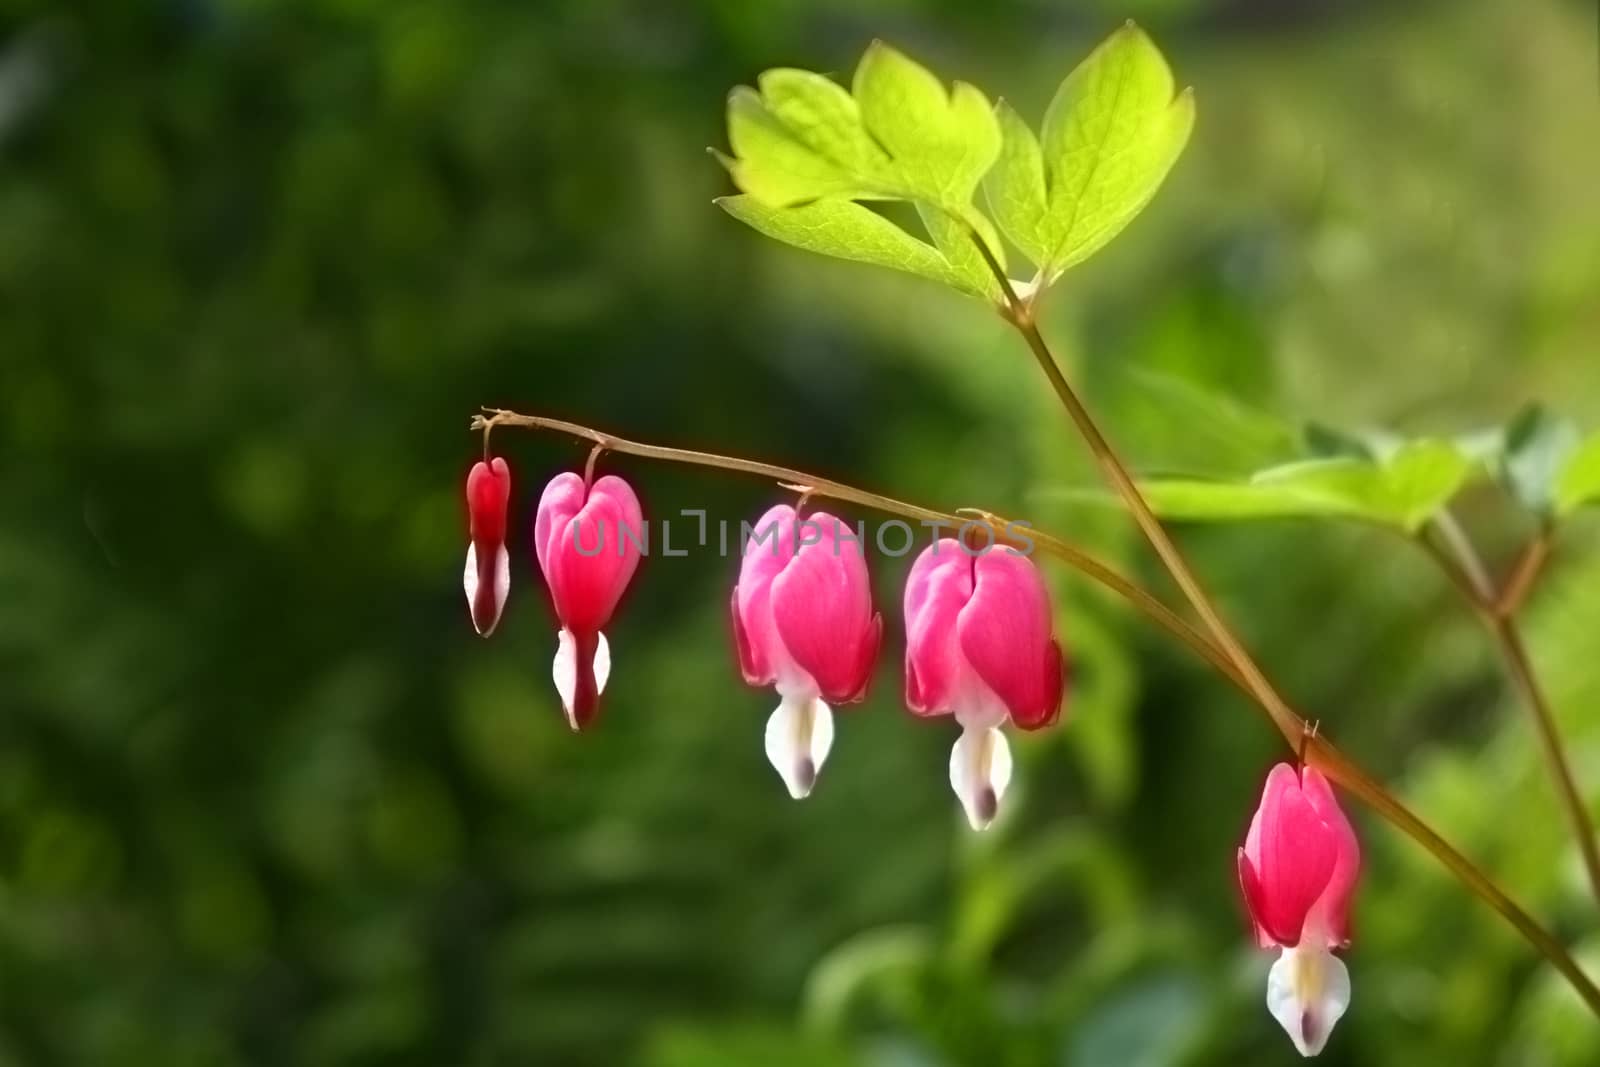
940, 143
1420, 478
846, 229
1320, 488
772, 163
802, 140
1579, 482
822, 115
1113, 131
1016, 189
1404, 491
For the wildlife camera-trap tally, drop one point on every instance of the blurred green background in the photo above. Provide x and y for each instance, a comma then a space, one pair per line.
266, 799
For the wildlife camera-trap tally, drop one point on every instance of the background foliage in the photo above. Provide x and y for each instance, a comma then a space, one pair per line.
265, 799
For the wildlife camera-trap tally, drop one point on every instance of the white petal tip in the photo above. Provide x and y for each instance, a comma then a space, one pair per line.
799, 735
1308, 991
801, 779
485, 613
564, 672
984, 807
980, 770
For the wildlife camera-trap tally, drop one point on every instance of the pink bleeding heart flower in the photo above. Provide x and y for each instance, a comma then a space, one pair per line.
1298, 871
488, 575
588, 540
803, 623
979, 646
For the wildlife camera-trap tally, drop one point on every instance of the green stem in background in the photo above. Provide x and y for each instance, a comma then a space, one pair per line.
1321, 753
1379, 799
1020, 313
1526, 572
1461, 563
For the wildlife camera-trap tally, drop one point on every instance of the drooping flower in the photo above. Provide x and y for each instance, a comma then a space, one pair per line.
488, 575
803, 623
1298, 871
979, 646
588, 540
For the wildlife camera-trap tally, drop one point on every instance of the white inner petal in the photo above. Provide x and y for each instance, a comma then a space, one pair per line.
1308, 990
564, 671
502, 582
602, 664
980, 771
502, 585
799, 735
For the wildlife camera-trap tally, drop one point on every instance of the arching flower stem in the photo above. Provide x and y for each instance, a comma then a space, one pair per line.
1019, 311
1318, 751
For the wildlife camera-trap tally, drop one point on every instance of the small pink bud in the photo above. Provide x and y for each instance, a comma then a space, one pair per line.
803, 623
488, 575
588, 541
1298, 871
979, 646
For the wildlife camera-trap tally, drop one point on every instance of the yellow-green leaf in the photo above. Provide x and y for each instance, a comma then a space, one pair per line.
1421, 477
1113, 131
1015, 188
822, 115
847, 230
940, 143
771, 163
1404, 490
1579, 482
900, 135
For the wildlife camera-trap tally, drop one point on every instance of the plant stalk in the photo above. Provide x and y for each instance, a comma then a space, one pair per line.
1497, 610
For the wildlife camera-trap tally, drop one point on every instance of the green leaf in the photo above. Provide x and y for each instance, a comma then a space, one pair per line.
1015, 188
1579, 482
771, 163
802, 139
941, 143
847, 230
1538, 446
1404, 491
1421, 477
1315, 490
954, 241
823, 115
1110, 136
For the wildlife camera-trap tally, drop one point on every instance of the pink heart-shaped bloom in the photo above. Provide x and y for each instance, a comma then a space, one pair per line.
487, 579
588, 540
